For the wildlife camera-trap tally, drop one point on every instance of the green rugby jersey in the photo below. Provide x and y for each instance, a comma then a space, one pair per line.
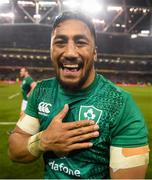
26, 86
120, 121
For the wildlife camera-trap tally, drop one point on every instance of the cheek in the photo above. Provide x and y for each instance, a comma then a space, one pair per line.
88, 53
89, 59
56, 53
54, 56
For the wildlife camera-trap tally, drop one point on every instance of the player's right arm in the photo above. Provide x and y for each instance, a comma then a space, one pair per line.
18, 151
26, 143
25, 128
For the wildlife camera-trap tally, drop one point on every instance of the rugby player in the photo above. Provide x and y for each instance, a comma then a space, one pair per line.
27, 86
84, 125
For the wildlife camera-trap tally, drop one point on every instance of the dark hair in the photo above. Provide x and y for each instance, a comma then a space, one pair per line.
75, 15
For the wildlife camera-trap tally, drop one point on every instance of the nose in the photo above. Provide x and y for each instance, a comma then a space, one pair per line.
71, 50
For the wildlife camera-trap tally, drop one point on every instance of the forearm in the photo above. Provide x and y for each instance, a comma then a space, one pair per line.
18, 150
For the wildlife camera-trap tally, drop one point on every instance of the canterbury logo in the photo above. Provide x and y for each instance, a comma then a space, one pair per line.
44, 107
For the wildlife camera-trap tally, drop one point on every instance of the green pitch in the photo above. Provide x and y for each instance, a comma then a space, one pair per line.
10, 100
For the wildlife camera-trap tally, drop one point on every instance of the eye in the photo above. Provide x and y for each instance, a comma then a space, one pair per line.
81, 42
60, 42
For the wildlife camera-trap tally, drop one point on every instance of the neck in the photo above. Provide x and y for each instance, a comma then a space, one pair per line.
90, 79
26, 75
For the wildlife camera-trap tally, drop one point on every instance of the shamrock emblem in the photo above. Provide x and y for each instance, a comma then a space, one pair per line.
89, 114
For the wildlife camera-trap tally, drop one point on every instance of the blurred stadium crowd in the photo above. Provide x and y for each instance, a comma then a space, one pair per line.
124, 37
120, 58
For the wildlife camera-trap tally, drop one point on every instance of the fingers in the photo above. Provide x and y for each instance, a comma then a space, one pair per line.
83, 130
78, 124
60, 116
76, 143
83, 137
81, 145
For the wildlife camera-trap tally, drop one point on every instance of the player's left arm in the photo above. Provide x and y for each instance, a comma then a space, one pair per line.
32, 86
129, 151
129, 163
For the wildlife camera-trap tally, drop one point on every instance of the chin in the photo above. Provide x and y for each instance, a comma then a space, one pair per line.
71, 85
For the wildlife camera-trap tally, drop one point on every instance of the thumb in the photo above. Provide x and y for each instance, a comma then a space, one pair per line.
61, 115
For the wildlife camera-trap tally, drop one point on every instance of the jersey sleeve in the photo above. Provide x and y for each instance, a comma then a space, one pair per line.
129, 130
31, 108
30, 81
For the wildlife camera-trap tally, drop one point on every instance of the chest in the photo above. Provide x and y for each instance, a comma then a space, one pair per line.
80, 108
95, 107
25, 85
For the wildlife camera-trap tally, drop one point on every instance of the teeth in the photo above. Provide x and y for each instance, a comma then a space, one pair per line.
70, 66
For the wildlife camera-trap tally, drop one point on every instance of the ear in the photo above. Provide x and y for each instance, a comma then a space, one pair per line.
51, 49
95, 54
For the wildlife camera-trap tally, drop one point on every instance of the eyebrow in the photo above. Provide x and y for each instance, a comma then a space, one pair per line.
81, 36
60, 37
78, 36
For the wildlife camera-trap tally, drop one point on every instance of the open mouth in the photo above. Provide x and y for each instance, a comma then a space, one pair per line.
71, 67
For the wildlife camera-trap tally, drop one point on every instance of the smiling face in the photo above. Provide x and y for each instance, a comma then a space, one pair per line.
73, 53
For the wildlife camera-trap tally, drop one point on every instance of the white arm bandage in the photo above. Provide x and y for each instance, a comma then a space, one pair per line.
34, 146
123, 158
29, 124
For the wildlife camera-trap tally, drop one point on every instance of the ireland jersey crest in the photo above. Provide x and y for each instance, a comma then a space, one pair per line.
90, 113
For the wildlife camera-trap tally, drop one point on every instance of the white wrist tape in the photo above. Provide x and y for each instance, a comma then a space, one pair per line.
34, 146
29, 124
136, 157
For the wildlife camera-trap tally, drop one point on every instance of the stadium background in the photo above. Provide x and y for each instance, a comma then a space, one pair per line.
124, 29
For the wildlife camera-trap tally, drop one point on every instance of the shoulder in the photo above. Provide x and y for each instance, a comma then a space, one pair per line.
47, 83
28, 79
110, 97
45, 88
112, 89
114, 99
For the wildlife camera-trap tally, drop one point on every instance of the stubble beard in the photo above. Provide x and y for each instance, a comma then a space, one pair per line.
78, 85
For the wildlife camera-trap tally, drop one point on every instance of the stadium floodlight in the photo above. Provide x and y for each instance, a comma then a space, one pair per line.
4, 2
87, 6
117, 25
145, 32
4, 55
91, 6
72, 4
47, 3
7, 15
123, 25
37, 16
25, 3
133, 36
98, 21
114, 8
